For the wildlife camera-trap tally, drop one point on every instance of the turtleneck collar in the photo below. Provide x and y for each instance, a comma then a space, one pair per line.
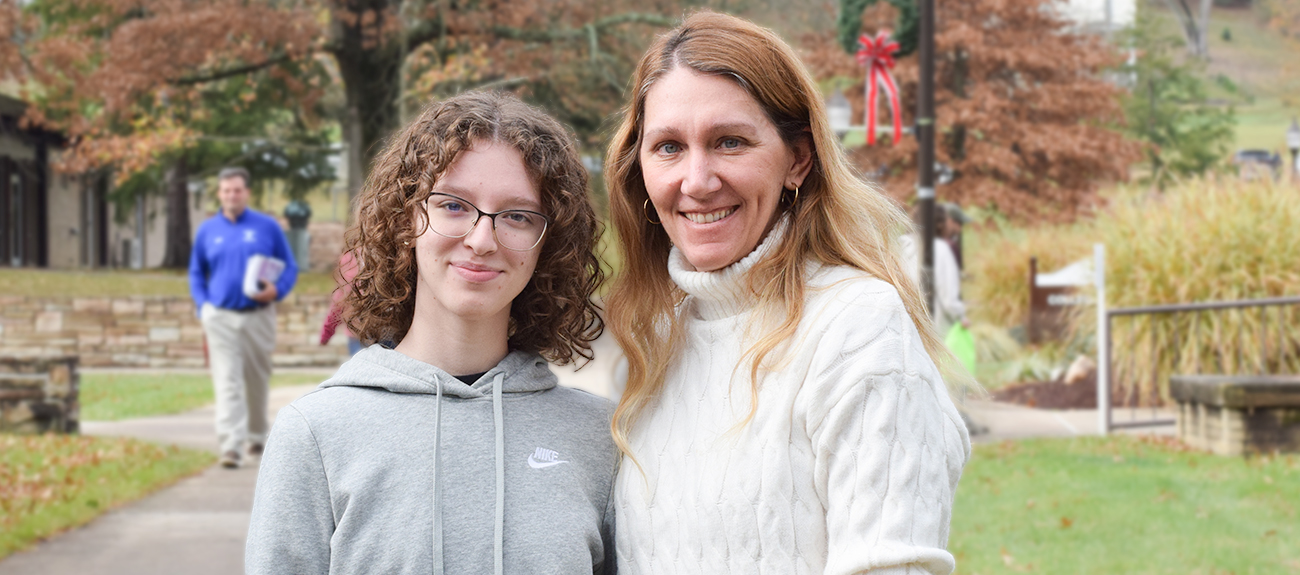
723, 293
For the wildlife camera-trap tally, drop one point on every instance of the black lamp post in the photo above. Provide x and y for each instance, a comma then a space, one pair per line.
925, 140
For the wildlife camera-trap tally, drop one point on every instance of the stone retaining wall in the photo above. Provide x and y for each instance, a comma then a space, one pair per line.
1236, 415
39, 394
154, 331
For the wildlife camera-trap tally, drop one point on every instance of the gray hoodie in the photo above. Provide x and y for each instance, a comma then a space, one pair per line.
394, 466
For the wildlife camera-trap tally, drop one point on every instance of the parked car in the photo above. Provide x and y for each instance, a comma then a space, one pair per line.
1256, 163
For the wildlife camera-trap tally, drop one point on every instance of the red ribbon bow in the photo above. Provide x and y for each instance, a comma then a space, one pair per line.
877, 54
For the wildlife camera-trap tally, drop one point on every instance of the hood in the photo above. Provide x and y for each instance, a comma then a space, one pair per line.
519, 372
382, 368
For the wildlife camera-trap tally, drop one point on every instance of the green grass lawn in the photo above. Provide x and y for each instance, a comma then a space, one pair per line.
113, 396
51, 483
1124, 505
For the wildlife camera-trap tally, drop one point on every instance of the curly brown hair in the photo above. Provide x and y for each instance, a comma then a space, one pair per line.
554, 315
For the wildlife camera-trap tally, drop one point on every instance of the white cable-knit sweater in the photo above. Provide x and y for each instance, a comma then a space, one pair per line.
849, 465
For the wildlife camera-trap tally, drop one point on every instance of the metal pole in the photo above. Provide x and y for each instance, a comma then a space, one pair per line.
925, 140
1103, 340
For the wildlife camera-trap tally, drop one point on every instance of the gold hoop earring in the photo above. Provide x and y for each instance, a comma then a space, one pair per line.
795, 199
645, 207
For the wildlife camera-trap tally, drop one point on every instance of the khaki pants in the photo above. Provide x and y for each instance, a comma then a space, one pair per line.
239, 353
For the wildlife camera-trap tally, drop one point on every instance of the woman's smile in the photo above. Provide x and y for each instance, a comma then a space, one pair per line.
714, 166
709, 217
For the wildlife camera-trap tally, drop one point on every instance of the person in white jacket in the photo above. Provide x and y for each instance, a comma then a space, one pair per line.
783, 410
949, 309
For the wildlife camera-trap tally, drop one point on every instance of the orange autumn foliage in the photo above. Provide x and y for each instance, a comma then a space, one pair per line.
1025, 114
122, 78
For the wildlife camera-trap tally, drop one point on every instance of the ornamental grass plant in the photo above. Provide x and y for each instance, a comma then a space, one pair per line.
1213, 239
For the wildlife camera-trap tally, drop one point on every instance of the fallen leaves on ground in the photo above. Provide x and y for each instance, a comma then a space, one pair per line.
40, 469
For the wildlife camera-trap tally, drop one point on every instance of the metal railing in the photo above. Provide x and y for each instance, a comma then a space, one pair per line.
1180, 330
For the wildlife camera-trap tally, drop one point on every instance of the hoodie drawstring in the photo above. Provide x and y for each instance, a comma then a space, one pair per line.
498, 547
438, 566
498, 543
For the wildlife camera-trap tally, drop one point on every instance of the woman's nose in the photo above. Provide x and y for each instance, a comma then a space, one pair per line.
701, 177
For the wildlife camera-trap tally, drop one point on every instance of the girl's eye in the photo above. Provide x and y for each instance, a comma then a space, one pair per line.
451, 206
517, 217
669, 148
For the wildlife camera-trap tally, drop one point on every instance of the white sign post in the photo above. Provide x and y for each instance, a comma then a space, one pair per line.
1103, 337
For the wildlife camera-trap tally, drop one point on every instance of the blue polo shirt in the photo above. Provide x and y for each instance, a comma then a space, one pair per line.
221, 252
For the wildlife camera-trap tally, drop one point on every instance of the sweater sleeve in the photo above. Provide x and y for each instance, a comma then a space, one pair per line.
888, 443
292, 520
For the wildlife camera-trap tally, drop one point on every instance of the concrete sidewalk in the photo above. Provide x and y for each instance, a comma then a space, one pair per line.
198, 526
1003, 421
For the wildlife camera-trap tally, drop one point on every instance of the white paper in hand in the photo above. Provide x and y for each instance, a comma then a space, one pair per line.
261, 270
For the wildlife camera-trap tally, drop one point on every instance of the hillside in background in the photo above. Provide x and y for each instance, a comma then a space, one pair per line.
1261, 69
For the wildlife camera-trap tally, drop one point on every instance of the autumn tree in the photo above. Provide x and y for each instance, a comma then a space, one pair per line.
112, 73
108, 77
565, 53
1168, 107
1025, 113
1283, 16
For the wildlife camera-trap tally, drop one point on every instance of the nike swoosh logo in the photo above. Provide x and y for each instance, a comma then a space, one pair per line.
535, 464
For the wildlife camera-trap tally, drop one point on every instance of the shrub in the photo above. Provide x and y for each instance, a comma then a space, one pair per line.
1202, 240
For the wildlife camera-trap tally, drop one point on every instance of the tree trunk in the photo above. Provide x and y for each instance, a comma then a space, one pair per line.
371, 115
351, 123
1204, 47
369, 67
177, 254
1194, 25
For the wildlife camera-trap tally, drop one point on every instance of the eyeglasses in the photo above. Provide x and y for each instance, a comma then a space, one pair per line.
453, 217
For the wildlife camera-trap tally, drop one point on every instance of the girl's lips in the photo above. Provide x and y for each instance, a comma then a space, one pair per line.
475, 272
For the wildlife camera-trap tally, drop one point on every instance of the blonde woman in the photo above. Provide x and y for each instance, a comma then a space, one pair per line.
783, 410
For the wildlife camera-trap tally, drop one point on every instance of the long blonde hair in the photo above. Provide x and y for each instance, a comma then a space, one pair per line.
837, 218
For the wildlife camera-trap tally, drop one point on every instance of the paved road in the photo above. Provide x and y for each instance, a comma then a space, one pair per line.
198, 526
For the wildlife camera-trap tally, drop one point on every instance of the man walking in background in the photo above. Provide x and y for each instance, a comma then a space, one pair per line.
239, 321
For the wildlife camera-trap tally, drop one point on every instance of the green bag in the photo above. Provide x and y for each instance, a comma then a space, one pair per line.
962, 345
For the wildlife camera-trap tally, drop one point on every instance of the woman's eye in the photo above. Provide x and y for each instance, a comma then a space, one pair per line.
669, 148
730, 143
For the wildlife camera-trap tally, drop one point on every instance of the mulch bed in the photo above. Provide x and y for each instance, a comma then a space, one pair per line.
1055, 394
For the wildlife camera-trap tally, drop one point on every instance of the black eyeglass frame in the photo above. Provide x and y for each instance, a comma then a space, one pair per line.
492, 217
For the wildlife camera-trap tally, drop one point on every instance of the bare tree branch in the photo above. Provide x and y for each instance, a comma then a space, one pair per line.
577, 33
267, 143
231, 72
